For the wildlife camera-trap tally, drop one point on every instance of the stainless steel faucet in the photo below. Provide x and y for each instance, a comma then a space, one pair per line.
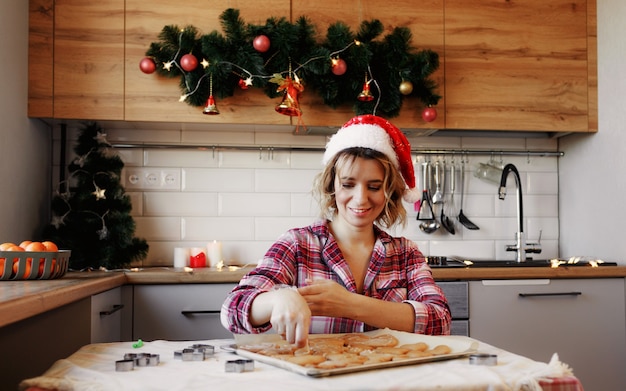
520, 245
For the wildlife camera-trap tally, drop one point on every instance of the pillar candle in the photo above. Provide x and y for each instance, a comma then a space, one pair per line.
181, 257
197, 257
214, 252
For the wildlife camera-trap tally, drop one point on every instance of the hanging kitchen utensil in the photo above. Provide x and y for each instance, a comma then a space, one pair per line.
428, 223
462, 218
446, 222
439, 178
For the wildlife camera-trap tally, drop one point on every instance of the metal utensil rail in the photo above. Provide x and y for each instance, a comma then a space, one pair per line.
455, 152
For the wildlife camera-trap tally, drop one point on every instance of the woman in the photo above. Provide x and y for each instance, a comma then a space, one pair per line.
344, 273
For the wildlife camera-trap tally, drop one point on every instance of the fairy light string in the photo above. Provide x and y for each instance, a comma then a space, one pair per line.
218, 62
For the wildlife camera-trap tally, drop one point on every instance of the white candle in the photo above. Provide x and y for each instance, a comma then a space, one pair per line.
214, 253
181, 257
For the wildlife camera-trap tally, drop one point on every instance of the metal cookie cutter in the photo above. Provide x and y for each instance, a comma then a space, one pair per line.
483, 359
143, 359
242, 365
124, 365
196, 352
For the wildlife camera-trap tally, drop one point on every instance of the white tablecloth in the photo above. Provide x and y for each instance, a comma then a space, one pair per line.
93, 368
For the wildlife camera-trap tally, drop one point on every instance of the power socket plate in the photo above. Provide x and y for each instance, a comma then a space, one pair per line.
151, 178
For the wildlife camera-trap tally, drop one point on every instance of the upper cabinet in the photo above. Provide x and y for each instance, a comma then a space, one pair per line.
426, 24
153, 98
504, 65
521, 65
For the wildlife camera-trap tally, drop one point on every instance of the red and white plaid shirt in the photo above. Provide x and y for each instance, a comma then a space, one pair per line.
397, 272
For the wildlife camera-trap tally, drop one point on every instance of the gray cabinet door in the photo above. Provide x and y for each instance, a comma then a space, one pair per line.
179, 312
583, 320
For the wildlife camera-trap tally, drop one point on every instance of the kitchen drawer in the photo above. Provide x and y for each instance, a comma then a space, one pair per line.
459, 327
179, 312
106, 316
457, 293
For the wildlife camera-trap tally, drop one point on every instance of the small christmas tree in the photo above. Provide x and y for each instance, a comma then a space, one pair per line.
91, 212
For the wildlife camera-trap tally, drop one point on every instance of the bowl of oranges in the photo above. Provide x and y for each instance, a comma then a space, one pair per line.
32, 261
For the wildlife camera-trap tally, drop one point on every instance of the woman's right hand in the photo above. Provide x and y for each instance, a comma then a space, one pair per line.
291, 316
288, 313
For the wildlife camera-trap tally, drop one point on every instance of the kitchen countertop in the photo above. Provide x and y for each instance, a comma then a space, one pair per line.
23, 299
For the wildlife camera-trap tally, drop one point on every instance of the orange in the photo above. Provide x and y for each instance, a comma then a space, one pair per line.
7, 246
50, 246
2, 262
27, 269
34, 246
25, 243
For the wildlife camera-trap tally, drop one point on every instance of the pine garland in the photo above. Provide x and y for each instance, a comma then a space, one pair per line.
230, 56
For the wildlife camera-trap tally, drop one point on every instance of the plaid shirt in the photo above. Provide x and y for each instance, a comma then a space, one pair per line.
397, 272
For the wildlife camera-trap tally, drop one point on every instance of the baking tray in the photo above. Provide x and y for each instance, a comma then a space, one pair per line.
460, 347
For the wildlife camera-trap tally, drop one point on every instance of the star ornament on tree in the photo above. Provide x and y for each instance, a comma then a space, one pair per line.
57, 221
101, 138
99, 193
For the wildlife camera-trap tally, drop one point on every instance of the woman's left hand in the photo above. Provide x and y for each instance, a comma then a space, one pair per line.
325, 297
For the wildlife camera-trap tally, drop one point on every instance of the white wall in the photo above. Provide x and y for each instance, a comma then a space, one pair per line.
592, 175
24, 144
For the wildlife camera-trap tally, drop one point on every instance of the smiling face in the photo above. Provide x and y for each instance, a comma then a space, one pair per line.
355, 169
359, 191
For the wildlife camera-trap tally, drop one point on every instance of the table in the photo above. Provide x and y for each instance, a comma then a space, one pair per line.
93, 367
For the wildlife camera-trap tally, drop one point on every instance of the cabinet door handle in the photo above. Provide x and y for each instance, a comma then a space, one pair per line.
550, 294
196, 312
116, 307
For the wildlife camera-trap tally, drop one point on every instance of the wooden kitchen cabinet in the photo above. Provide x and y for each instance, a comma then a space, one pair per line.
583, 320
504, 65
179, 311
521, 65
426, 24
89, 59
155, 98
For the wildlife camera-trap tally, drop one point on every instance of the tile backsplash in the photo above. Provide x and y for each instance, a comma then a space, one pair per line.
247, 198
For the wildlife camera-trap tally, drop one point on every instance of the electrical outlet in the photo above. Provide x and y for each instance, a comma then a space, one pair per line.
150, 178
170, 179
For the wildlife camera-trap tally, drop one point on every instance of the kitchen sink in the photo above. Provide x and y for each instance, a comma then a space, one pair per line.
450, 262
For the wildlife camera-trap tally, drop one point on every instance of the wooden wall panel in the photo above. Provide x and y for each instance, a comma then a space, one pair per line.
40, 58
89, 59
516, 65
154, 98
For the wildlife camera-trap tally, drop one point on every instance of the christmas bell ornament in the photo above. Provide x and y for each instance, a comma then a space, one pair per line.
211, 107
338, 66
188, 62
261, 43
406, 87
366, 94
429, 114
290, 104
147, 65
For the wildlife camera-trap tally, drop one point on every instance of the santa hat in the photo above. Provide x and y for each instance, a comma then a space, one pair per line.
370, 131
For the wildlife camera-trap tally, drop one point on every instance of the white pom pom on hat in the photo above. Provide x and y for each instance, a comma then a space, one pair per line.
371, 131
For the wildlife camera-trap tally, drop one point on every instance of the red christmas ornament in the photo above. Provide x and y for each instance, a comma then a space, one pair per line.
147, 65
429, 114
243, 85
338, 66
261, 43
188, 62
